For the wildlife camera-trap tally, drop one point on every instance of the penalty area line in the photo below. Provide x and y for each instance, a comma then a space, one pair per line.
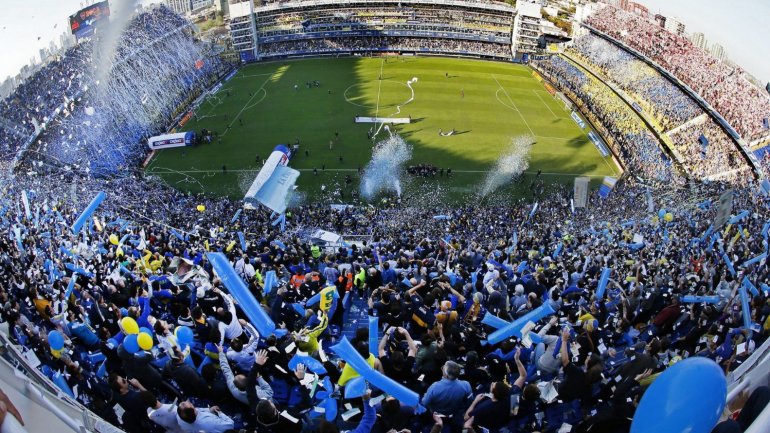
237, 116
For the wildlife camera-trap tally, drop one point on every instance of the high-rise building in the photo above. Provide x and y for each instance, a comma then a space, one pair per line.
201, 4
717, 51
699, 40
674, 25
179, 6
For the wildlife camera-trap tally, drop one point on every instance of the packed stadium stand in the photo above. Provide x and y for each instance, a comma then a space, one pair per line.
477, 29
743, 104
115, 314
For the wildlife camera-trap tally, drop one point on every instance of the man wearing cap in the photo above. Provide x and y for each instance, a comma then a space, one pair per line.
449, 396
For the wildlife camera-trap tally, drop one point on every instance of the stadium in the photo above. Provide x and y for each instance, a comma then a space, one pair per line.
384, 216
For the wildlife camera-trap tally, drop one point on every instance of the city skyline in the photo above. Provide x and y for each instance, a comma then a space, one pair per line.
29, 26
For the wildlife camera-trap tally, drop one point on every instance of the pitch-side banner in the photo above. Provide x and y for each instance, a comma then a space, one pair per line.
581, 191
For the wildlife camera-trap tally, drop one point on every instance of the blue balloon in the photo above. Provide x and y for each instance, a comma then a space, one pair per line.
689, 396
130, 344
146, 330
55, 340
661, 213
184, 335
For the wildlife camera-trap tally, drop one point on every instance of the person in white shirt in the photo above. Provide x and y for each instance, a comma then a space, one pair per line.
229, 326
195, 420
161, 414
243, 356
237, 384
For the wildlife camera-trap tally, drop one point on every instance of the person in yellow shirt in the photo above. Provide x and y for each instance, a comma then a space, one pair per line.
308, 337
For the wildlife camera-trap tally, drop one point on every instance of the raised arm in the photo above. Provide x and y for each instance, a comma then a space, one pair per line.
522, 371
564, 343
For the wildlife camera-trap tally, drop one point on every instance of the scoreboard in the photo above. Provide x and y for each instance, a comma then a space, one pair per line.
84, 21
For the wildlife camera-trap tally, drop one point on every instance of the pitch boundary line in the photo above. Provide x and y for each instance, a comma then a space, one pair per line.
379, 88
255, 75
514, 104
237, 116
546, 105
344, 170
264, 95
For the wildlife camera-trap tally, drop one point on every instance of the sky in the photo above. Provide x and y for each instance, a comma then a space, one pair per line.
22, 22
736, 24
740, 26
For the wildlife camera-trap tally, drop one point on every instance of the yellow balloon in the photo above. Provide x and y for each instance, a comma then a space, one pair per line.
668, 217
129, 325
144, 340
114, 239
201, 208
230, 246
327, 297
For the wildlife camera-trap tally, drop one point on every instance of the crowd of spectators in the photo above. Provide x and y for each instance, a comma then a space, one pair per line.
55, 97
362, 17
668, 105
743, 104
720, 154
639, 149
431, 283
385, 44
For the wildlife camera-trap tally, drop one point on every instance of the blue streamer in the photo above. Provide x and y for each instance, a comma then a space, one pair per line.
603, 280
235, 217
89, 210
690, 299
738, 217
374, 328
729, 264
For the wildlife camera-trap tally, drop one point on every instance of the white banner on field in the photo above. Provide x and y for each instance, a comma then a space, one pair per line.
362, 119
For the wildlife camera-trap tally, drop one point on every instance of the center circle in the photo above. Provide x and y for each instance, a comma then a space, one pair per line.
392, 93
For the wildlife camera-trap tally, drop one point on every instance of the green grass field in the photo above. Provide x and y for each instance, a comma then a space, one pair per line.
259, 108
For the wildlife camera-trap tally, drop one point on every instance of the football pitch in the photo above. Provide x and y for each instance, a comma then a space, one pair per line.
488, 104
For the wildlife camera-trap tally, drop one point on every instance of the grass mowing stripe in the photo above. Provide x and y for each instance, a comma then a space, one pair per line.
312, 115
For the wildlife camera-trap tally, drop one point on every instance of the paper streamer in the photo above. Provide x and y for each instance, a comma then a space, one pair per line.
240, 292
89, 210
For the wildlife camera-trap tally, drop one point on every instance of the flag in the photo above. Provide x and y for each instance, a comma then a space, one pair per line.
607, 185
765, 185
